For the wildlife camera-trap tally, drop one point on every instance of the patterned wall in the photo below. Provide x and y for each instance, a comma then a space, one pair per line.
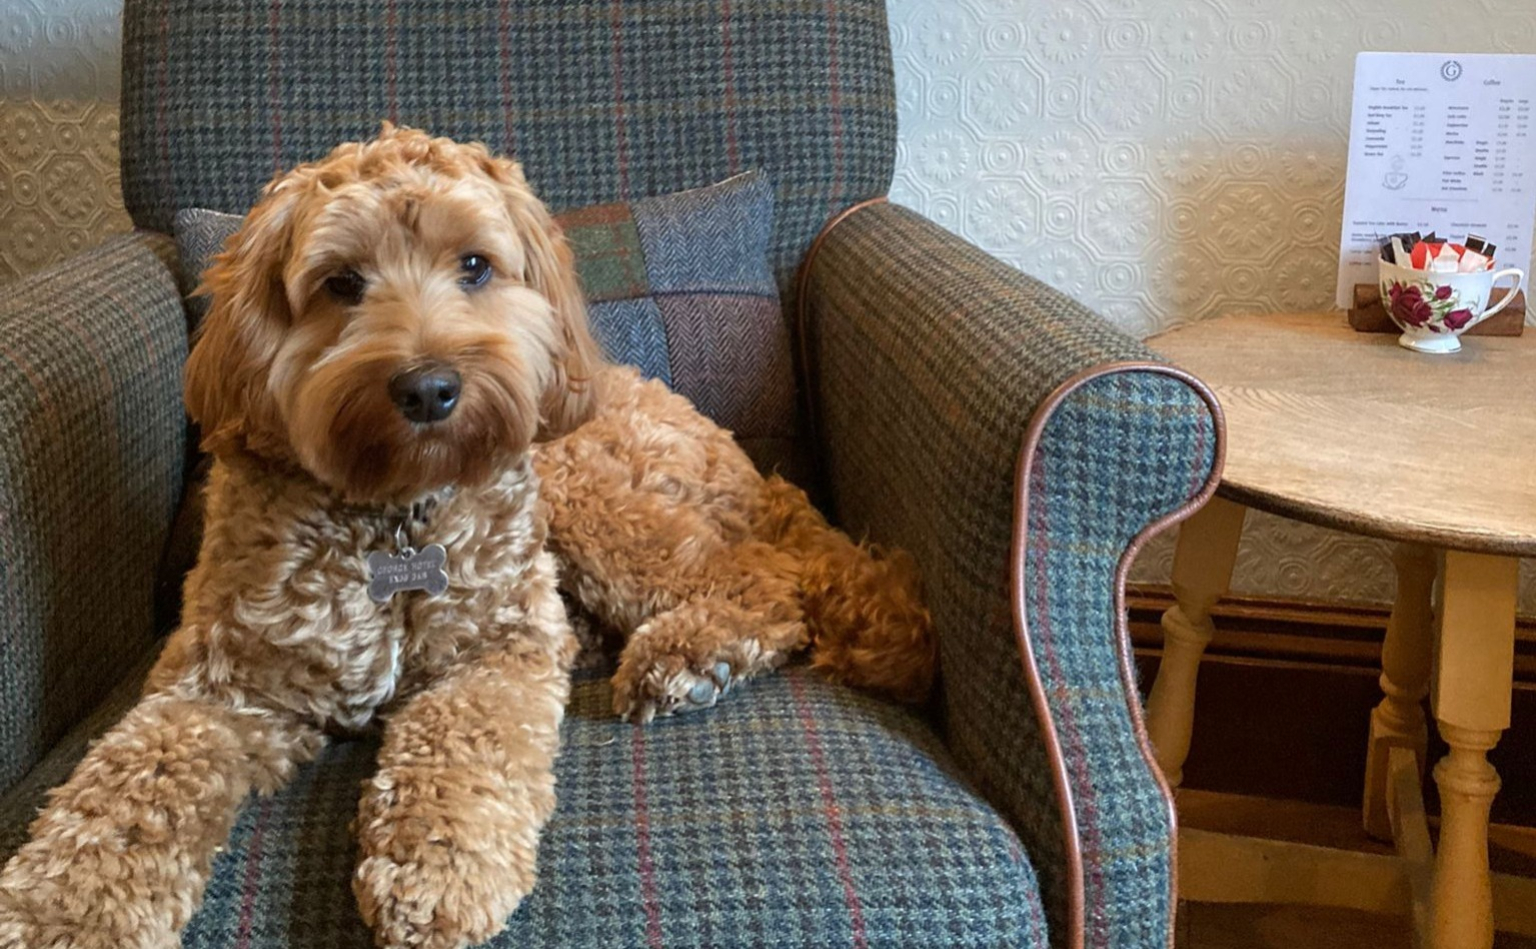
1161, 160
59, 189
1165, 161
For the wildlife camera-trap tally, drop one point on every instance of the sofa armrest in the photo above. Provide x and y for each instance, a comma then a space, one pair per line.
1019, 447
91, 439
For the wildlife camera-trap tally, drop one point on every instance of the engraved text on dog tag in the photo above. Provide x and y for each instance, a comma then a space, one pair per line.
422, 569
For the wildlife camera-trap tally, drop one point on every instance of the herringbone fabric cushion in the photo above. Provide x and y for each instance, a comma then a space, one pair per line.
931, 358
91, 438
601, 102
794, 814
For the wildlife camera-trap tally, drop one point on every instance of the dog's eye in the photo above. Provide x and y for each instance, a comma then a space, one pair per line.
476, 270
347, 286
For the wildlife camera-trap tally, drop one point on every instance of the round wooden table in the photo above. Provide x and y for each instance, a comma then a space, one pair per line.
1351, 431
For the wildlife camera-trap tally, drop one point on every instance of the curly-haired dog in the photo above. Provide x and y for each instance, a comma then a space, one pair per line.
709, 571
391, 329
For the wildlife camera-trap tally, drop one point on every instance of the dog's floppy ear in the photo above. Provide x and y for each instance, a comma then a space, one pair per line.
226, 373
568, 401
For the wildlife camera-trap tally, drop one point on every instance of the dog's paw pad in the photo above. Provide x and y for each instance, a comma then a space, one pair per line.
703, 694
668, 688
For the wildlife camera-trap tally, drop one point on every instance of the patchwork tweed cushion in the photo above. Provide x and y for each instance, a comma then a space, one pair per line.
678, 285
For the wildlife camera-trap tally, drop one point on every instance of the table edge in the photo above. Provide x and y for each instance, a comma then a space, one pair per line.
1380, 527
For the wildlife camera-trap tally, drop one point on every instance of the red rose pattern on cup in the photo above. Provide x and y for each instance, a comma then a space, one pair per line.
1409, 305
1456, 319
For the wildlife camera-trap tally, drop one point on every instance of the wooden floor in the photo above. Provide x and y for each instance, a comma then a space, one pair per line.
1215, 926
1228, 926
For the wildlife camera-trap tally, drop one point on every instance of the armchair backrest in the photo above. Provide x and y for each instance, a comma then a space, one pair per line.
601, 101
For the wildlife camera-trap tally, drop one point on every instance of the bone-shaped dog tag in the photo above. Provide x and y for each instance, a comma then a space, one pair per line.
422, 569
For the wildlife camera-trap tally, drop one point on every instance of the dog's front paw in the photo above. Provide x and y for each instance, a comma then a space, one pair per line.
36, 913
688, 657
449, 901
647, 685
448, 854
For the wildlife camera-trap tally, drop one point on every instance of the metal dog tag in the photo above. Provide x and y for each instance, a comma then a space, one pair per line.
422, 569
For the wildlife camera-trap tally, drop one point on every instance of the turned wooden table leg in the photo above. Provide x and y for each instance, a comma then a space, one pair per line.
1202, 571
1398, 722
1474, 671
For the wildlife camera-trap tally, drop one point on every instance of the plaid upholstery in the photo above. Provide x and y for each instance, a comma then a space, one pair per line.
21, 803
601, 101
789, 815
91, 438
931, 358
678, 285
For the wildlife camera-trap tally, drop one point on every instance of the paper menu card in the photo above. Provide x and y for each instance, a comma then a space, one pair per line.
1438, 142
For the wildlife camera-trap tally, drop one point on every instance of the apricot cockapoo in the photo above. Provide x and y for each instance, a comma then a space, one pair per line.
396, 355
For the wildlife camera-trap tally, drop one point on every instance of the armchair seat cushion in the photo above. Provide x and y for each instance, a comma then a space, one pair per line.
795, 813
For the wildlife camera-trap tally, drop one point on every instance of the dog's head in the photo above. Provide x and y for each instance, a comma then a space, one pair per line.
400, 316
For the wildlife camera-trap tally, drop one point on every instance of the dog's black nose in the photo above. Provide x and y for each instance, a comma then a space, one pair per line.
426, 394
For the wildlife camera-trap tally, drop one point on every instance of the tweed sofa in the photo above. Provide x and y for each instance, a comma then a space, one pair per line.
1019, 446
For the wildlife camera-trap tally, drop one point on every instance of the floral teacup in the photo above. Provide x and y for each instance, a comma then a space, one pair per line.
1432, 309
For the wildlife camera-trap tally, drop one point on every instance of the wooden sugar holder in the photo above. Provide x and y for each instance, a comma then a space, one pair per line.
1368, 315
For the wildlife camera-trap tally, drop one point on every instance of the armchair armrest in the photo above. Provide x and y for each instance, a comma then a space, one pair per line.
1020, 448
91, 439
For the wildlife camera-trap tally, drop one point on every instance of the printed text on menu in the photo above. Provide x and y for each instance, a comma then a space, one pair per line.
1438, 142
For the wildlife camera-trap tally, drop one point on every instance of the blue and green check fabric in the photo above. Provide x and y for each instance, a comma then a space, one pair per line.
794, 813
930, 360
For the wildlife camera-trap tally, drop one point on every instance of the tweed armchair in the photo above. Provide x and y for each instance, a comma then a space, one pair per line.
1016, 444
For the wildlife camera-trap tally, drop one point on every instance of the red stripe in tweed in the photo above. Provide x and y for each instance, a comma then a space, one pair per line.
504, 60
643, 843
620, 133
149, 340
391, 45
833, 815
8, 552
274, 19
163, 82
252, 876
732, 147
108, 397
1066, 726
51, 413
1197, 477
835, 90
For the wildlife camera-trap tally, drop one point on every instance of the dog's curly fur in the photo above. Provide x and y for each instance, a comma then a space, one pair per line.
314, 469
710, 572
662, 528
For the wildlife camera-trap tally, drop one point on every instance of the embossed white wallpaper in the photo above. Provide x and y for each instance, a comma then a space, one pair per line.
1166, 161
1161, 160
59, 189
